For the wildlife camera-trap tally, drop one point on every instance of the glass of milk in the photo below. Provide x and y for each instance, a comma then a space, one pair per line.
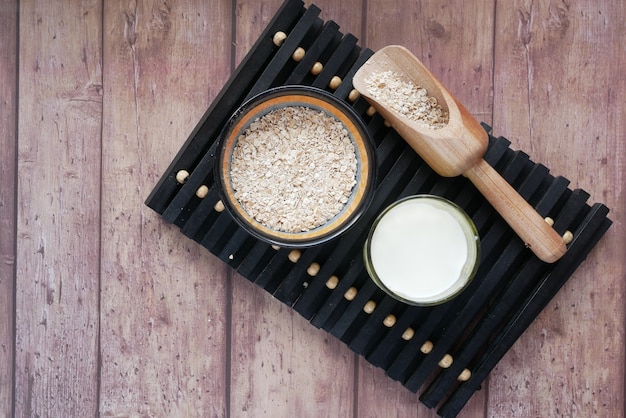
422, 250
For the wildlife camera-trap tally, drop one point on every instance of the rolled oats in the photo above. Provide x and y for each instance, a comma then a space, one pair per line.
406, 98
294, 168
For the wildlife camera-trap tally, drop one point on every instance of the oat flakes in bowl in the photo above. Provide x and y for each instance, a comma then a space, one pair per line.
295, 166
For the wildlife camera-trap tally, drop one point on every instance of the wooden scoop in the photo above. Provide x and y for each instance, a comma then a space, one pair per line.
458, 148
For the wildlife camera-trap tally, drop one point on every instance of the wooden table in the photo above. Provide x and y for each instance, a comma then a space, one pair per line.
107, 310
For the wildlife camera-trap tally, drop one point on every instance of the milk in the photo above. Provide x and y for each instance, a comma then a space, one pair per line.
422, 249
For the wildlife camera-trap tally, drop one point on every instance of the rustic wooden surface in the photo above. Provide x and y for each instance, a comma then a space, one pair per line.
8, 142
106, 310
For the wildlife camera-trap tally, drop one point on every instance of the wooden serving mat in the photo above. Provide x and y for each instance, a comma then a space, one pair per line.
449, 349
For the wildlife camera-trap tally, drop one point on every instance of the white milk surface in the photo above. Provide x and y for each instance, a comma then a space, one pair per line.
419, 250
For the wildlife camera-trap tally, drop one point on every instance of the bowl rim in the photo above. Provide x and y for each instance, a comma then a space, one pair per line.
313, 97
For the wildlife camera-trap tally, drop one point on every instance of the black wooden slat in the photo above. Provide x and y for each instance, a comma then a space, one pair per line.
372, 331
219, 232
566, 217
283, 56
353, 315
390, 345
236, 247
284, 272
296, 278
498, 312
336, 297
202, 217
201, 175
492, 240
592, 229
388, 152
256, 259
309, 39
348, 63
498, 147
497, 276
554, 194
516, 168
328, 38
345, 52
274, 270
447, 187
537, 176
479, 300
346, 87
423, 178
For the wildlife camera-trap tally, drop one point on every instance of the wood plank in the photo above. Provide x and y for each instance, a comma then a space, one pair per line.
559, 84
58, 218
445, 37
164, 299
8, 144
281, 364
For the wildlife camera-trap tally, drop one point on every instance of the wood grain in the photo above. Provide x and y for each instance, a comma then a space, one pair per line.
8, 167
281, 364
58, 218
559, 83
163, 301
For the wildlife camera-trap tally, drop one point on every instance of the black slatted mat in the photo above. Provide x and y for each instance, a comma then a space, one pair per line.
449, 348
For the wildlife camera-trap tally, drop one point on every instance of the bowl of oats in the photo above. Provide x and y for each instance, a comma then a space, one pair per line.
296, 166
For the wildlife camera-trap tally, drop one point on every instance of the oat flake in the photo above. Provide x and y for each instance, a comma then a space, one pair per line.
406, 98
294, 168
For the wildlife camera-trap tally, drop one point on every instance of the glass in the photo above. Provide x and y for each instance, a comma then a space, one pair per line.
422, 250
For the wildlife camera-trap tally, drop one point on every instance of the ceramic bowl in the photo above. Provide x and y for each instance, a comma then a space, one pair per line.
316, 99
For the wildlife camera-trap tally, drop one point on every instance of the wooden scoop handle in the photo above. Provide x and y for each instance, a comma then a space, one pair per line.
536, 233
